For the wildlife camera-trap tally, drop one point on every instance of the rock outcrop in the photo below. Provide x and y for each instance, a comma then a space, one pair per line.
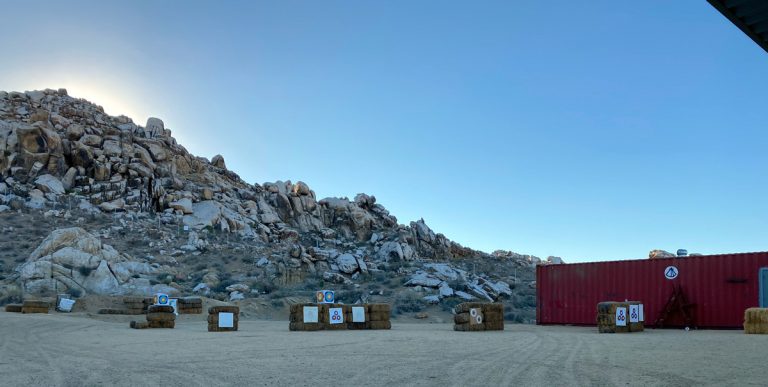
58, 149
71, 259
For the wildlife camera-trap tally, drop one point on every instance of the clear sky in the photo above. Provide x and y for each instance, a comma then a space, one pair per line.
589, 130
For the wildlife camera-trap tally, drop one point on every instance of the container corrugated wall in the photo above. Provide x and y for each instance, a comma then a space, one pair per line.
721, 286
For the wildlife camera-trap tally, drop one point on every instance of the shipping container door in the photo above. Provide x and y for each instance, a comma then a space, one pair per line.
764, 287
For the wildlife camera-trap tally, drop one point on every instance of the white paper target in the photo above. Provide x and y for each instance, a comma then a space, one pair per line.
473, 312
226, 320
310, 314
642, 318
65, 304
358, 314
621, 317
634, 313
335, 315
173, 302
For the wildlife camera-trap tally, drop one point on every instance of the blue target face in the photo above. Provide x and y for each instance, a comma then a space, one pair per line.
329, 297
162, 300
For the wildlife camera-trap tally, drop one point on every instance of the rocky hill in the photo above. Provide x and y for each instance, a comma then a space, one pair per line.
95, 204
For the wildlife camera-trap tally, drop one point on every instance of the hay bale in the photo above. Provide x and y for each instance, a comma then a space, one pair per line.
638, 326
224, 308
493, 308
133, 300
358, 325
217, 328
139, 324
160, 316
191, 301
468, 327
162, 324
28, 309
299, 326
464, 307
606, 321
190, 310
13, 308
160, 309
148, 301
36, 304
214, 318
461, 318
380, 325
134, 312
378, 316
756, 321
380, 308
493, 316
756, 315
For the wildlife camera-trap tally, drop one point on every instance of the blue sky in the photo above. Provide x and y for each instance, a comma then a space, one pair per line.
588, 130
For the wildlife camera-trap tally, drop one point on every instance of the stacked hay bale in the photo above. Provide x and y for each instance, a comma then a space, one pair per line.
634, 319
756, 321
13, 308
158, 316
339, 317
606, 317
161, 316
493, 316
469, 317
378, 316
297, 322
189, 305
214, 316
349, 317
35, 306
333, 316
134, 305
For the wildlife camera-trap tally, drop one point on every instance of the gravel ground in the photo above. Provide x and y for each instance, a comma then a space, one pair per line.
65, 350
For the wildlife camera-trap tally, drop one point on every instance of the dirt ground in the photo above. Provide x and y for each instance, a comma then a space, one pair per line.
76, 350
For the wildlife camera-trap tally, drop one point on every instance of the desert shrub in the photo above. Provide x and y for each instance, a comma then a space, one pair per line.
12, 296
408, 303
85, 271
264, 286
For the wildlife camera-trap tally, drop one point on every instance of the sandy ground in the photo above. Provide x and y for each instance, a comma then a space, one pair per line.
69, 350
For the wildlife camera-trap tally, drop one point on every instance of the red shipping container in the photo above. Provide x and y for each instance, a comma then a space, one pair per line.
720, 286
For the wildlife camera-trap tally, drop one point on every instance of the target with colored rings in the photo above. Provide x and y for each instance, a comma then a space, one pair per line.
320, 297
328, 296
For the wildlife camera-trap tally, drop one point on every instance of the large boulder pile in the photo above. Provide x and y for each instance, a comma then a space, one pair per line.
57, 148
72, 260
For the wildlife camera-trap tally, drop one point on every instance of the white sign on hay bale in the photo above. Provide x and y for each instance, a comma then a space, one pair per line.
226, 320
310, 314
65, 305
358, 314
475, 316
642, 318
335, 316
634, 313
173, 302
621, 317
